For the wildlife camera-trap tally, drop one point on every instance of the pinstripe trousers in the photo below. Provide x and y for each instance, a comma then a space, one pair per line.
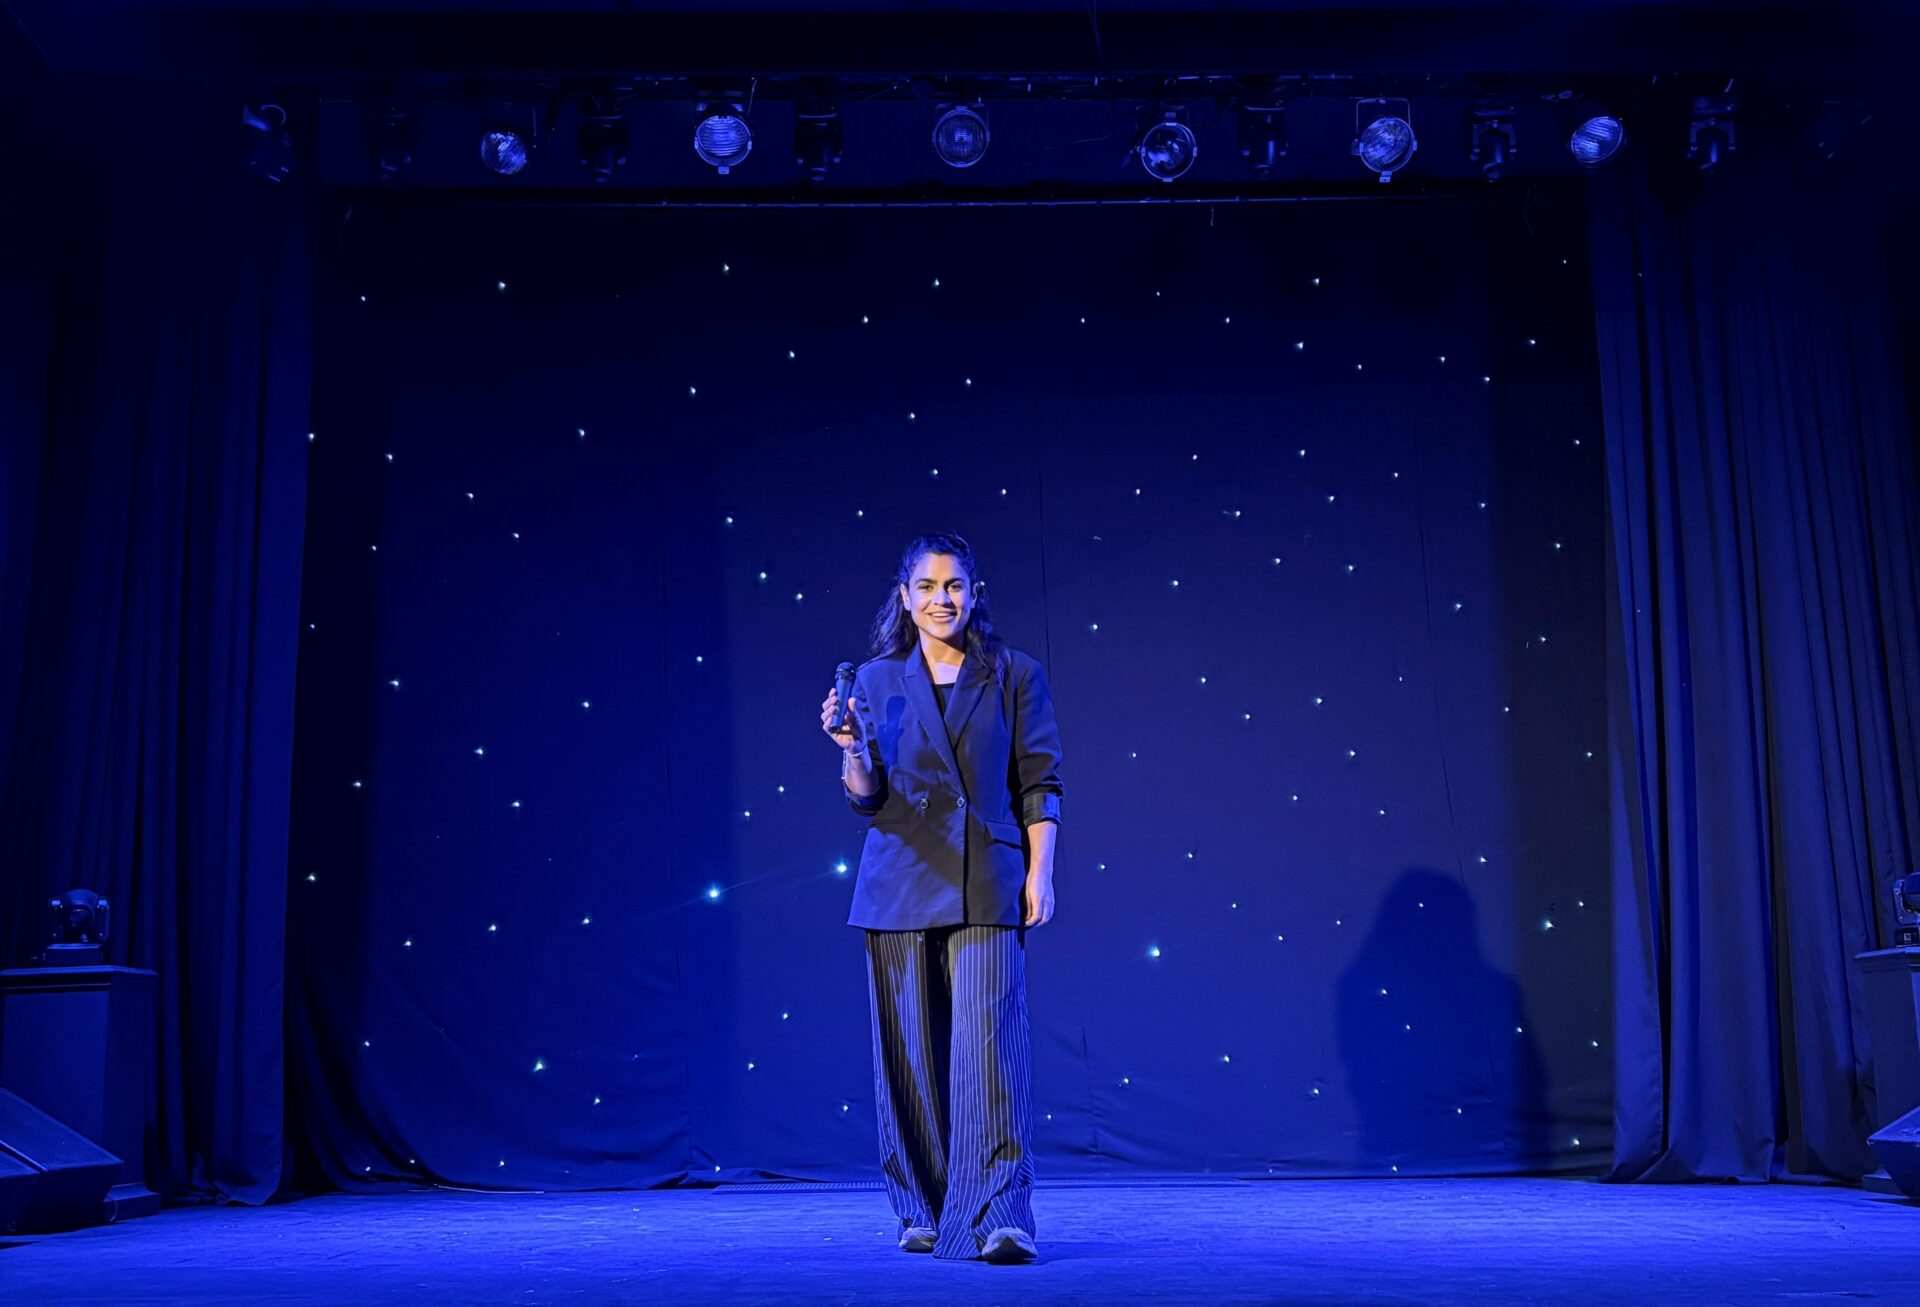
952, 1063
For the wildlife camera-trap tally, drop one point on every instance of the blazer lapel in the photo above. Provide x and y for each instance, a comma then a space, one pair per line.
960, 701
962, 698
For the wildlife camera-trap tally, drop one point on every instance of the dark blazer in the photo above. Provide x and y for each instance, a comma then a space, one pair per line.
945, 843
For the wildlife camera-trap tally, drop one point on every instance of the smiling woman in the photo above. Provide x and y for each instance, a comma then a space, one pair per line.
936, 596
949, 774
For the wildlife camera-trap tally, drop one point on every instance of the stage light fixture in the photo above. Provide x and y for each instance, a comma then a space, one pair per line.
1906, 911
269, 145
723, 137
504, 150
1167, 147
511, 137
79, 917
392, 145
960, 136
1838, 127
1597, 140
1382, 140
1493, 138
1713, 134
1263, 135
78, 921
816, 135
602, 139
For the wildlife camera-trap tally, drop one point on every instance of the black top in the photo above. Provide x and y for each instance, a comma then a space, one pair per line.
941, 693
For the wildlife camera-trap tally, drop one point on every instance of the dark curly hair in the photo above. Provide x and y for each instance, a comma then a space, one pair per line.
893, 628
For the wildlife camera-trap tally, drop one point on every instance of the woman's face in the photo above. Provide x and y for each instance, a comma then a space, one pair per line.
939, 596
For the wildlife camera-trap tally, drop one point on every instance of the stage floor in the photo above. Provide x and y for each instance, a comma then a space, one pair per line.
1293, 1241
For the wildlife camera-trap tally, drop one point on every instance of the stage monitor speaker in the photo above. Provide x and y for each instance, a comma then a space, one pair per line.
16, 1182
67, 1178
1898, 1148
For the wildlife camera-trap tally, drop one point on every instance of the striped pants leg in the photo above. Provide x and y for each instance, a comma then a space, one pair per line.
952, 1078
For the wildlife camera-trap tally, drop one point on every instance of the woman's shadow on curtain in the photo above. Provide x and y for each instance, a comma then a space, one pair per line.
1441, 1062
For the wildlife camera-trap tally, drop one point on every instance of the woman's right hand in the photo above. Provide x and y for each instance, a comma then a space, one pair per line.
852, 734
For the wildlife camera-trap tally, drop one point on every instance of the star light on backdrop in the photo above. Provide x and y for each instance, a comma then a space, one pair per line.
1192, 937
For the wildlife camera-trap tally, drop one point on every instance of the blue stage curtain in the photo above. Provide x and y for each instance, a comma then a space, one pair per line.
152, 598
1765, 686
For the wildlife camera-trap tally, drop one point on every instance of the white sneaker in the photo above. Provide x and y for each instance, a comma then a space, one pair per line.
919, 1239
1009, 1244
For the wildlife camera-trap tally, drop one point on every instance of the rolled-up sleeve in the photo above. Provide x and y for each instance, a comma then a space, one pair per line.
1036, 750
868, 804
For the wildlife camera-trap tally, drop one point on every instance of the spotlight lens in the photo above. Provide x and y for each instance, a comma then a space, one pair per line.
1386, 144
504, 152
1167, 150
960, 137
723, 140
1595, 140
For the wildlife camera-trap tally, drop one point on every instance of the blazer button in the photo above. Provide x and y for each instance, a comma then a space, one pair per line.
962, 802
923, 805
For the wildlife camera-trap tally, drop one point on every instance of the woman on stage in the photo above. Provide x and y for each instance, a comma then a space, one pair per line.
949, 747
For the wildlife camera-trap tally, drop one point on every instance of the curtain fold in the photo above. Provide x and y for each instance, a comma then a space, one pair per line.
1764, 724
157, 596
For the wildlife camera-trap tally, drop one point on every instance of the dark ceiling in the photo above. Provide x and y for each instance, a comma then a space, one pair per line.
981, 37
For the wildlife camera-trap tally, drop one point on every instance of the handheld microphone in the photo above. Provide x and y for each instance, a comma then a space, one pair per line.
843, 688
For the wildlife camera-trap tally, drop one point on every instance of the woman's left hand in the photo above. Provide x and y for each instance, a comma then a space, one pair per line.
1038, 896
